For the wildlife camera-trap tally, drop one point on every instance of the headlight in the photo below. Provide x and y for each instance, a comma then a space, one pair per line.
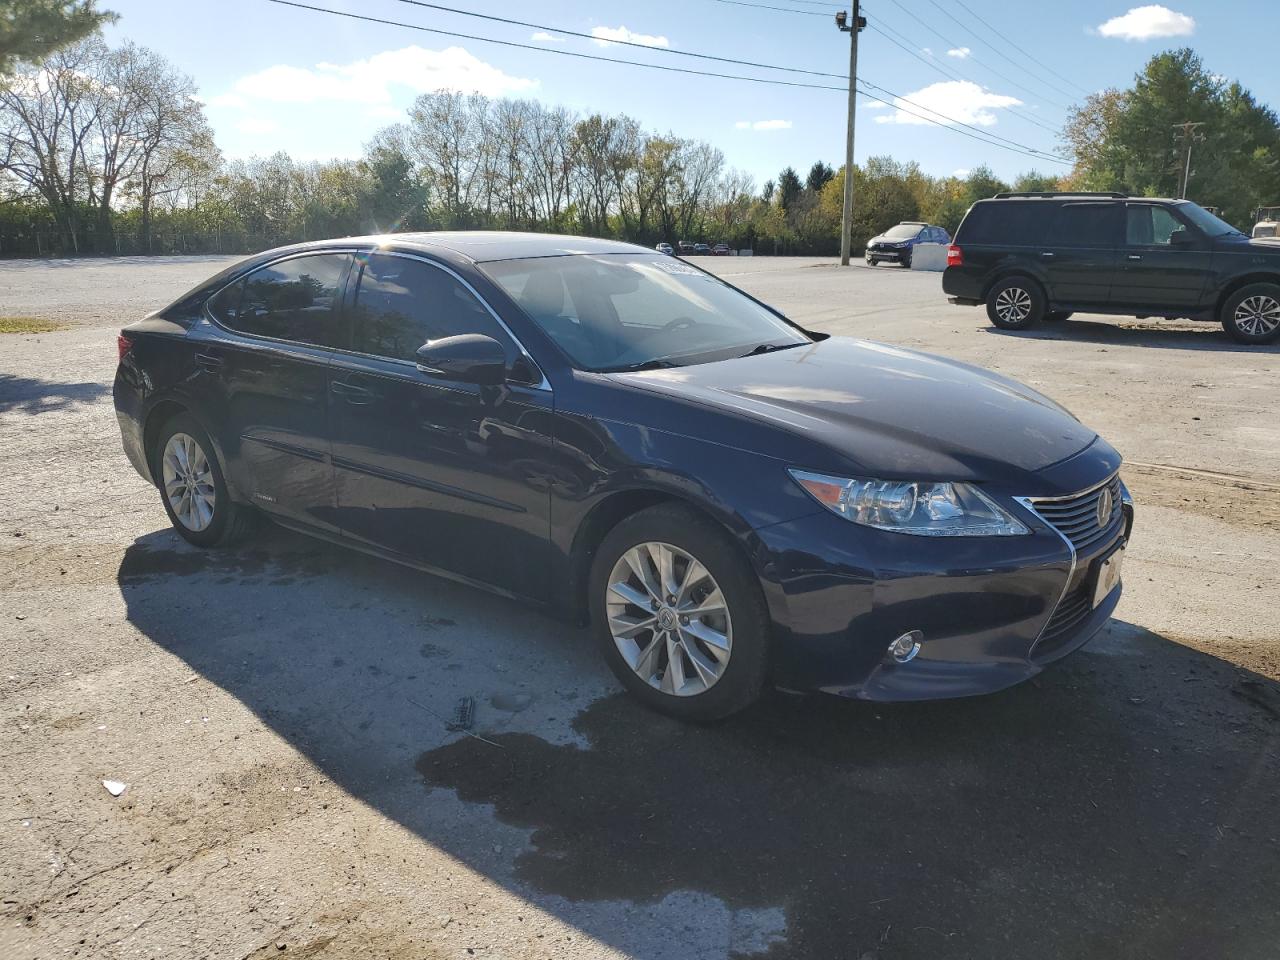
925, 509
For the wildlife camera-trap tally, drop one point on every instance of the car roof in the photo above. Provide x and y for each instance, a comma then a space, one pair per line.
484, 246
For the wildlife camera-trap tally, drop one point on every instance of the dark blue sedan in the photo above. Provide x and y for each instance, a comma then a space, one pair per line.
614, 435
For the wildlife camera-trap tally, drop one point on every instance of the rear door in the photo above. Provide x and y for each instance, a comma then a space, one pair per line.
1157, 274
1079, 256
448, 474
264, 373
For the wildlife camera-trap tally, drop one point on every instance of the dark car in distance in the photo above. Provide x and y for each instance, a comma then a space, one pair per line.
1042, 256
896, 244
623, 439
702, 249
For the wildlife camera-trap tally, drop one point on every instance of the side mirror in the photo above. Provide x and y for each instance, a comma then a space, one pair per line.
1182, 237
466, 358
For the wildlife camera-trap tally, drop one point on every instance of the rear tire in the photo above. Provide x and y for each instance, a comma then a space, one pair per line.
716, 632
1252, 314
192, 486
1015, 303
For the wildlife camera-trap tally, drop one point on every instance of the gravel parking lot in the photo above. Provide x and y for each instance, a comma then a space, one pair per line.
279, 711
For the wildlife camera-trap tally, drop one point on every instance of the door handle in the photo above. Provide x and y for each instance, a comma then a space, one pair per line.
1134, 256
350, 392
208, 362
1047, 253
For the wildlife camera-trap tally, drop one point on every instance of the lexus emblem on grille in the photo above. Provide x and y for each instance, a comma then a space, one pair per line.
1104, 507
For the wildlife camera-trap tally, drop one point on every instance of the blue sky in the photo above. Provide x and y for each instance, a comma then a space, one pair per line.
319, 86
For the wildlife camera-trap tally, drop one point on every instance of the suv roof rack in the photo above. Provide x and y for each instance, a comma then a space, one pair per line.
1109, 194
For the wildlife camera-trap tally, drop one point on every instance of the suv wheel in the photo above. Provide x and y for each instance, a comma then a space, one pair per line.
1015, 303
679, 614
1252, 313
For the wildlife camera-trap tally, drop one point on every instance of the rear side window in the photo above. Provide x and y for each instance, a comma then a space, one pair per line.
1087, 225
403, 303
1150, 225
295, 300
1006, 223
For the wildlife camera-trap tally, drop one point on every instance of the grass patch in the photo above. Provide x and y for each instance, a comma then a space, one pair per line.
28, 325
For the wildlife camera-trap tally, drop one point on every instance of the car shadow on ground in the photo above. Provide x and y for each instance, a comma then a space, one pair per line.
1170, 335
1120, 805
32, 395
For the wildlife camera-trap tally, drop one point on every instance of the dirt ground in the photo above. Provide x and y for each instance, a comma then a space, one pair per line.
279, 711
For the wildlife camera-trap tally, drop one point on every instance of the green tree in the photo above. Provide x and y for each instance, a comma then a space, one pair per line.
789, 188
818, 176
30, 30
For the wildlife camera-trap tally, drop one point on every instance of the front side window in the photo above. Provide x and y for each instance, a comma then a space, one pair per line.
1149, 225
1086, 225
294, 300
402, 303
632, 311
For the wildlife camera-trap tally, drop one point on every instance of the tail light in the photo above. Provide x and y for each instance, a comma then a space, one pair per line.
123, 346
955, 256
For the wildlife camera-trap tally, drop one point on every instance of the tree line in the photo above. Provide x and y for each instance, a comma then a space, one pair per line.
108, 150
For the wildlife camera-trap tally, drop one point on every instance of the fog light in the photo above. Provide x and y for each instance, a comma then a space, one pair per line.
906, 646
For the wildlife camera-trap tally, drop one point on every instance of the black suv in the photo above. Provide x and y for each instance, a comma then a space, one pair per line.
1039, 256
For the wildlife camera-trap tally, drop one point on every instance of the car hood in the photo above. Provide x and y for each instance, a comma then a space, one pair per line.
886, 412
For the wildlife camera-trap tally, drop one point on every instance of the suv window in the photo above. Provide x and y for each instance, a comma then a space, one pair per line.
402, 303
292, 299
1086, 225
1006, 222
1151, 225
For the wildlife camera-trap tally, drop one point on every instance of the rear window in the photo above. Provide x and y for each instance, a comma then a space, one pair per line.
1006, 222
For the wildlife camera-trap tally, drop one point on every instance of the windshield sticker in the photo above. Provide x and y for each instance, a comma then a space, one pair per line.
675, 266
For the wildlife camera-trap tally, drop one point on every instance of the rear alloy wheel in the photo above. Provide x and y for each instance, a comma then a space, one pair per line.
679, 614
193, 488
1252, 314
1015, 303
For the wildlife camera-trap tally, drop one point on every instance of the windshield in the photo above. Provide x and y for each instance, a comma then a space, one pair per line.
635, 310
1206, 221
903, 231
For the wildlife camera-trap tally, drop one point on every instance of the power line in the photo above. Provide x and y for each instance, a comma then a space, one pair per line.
1044, 66
765, 6
981, 136
947, 13
953, 44
625, 43
889, 33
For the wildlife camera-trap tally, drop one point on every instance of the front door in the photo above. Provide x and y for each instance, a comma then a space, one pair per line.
1079, 256
1165, 262
269, 356
447, 474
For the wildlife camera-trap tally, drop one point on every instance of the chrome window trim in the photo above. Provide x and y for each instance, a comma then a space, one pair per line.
542, 384
1072, 496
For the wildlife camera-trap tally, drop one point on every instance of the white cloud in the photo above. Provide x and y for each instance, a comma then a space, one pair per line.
960, 53
372, 80
959, 100
763, 125
543, 37
961, 173
1144, 23
605, 34
928, 51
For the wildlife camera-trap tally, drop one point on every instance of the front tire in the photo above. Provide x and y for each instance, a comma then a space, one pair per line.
1252, 314
679, 614
193, 488
1015, 303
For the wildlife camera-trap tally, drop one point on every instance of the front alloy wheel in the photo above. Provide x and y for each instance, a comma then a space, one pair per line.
679, 613
669, 619
1252, 315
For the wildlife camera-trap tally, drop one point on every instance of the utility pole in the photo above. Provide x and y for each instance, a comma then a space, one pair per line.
853, 27
1188, 134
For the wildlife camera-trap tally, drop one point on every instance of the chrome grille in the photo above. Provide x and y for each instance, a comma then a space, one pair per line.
1076, 517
